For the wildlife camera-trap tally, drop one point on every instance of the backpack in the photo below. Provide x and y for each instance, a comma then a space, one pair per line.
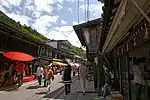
51, 74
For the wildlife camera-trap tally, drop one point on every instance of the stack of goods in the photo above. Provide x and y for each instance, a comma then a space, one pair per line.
115, 95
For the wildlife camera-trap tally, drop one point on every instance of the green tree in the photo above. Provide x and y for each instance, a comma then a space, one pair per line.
78, 51
22, 28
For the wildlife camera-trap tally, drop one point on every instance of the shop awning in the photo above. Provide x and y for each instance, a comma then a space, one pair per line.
59, 63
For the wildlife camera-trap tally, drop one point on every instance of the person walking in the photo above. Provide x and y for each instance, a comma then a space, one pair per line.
20, 71
67, 79
82, 75
45, 76
147, 76
39, 73
108, 83
138, 70
6, 76
11, 74
49, 78
74, 70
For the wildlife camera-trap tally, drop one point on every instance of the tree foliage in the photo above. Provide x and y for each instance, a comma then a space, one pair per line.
78, 51
27, 30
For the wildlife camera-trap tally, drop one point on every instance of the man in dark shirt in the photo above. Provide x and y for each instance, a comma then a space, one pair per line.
67, 79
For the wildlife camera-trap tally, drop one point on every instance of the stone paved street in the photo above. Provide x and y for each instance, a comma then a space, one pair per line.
30, 91
77, 95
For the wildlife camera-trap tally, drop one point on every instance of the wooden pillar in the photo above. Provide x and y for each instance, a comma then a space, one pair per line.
128, 76
120, 74
101, 79
116, 74
39, 50
95, 74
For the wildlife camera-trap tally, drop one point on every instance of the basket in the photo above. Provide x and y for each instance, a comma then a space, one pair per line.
116, 96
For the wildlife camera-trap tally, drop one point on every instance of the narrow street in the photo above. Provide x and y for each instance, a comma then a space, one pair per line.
101, 48
30, 91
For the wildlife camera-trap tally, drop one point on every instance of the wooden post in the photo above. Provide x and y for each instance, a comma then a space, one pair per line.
120, 74
101, 74
141, 11
116, 75
95, 74
128, 77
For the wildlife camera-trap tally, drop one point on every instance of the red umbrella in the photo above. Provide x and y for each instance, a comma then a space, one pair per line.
18, 56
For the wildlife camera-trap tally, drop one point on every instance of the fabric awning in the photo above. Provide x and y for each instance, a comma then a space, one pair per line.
59, 63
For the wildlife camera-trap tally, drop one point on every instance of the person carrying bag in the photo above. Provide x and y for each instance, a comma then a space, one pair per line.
49, 78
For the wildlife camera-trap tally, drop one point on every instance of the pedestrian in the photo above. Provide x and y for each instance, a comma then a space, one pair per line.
49, 78
90, 76
147, 76
74, 70
6, 76
82, 75
27, 70
138, 70
108, 83
20, 70
67, 79
60, 70
39, 73
11, 73
45, 75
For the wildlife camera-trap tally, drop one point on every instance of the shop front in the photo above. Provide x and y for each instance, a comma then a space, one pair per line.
90, 36
134, 46
13, 40
128, 40
58, 65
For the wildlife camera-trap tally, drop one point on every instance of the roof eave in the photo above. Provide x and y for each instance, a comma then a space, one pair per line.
88, 24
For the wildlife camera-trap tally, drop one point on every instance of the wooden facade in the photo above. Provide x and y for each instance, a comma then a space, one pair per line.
62, 48
90, 36
130, 40
138, 35
13, 40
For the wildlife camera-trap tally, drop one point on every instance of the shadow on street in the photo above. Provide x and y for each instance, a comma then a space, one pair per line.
35, 87
11, 88
55, 93
60, 82
40, 93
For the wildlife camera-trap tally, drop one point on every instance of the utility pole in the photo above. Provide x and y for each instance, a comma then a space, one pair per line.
78, 5
86, 9
88, 14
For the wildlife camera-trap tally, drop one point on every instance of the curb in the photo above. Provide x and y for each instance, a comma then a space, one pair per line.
62, 89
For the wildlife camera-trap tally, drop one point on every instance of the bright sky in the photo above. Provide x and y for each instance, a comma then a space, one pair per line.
52, 18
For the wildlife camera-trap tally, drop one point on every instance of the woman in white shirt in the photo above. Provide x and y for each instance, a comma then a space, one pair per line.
39, 73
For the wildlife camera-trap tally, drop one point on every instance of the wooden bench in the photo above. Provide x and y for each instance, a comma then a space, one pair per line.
115, 95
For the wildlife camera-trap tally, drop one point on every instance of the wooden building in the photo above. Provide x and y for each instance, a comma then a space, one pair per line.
89, 34
13, 40
63, 48
127, 38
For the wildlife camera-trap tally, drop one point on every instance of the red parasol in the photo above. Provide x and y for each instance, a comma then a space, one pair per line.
18, 56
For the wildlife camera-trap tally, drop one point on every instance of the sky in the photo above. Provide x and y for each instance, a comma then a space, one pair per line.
52, 18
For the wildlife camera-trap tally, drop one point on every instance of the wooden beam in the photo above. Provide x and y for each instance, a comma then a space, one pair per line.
18, 38
141, 11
